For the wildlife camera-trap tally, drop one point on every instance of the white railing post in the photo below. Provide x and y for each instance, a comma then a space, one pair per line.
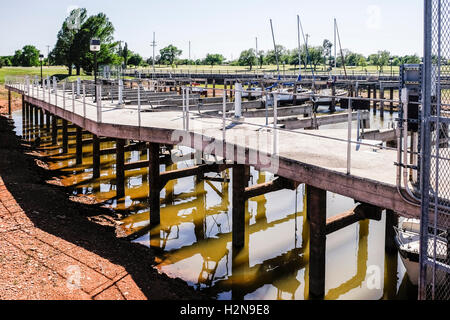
64, 95
55, 90
73, 97
49, 87
238, 100
78, 87
183, 89
187, 108
99, 102
224, 116
120, 92
84, 100
139, 104
275, 123
349, 142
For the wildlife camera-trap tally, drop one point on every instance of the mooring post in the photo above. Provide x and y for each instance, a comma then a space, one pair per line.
154, 184
120, 168
382, 101
391, 111
65, 136
96, 156
47, 121
214, 88
391, 222
79, 146
333, 100
317, 213
9, 102
239, 184
23, 106
36, 119
41, 118
54, 130
374, 102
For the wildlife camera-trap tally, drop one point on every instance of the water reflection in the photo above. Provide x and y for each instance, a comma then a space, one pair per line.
193, 241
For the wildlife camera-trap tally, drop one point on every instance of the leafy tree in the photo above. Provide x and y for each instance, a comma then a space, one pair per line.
135, 59
64, 51
271, 55
261, 58
362, 62
315, 56
327, 45
214, 59
248, 58
169, 54
27, 57
380, 59
126, 55
17, 58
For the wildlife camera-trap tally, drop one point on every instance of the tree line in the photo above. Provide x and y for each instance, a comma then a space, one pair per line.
72, 50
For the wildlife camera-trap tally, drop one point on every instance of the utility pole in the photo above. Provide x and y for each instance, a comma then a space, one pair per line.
153, 45
335, 45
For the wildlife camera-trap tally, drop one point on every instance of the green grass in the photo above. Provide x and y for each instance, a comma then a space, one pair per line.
59, 72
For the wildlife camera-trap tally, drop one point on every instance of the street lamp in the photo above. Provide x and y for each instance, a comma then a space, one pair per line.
95, 48
41, 59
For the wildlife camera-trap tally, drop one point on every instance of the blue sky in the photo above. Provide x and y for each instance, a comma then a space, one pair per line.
225, 27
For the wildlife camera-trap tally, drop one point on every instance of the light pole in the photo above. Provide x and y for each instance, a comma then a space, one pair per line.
41, 59
95, 48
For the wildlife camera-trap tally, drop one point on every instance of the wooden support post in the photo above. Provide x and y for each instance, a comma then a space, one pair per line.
23, 106
65, 137
382, 102
294, 102
239, 184
36, 119
54, 130
79, 146
317, 212
41, 118
47, 121
374, 102
231, 90
120, 170
214, 88
96, 156
9, 102
391, 96
391, 222
333, 100
226, 88
154, 184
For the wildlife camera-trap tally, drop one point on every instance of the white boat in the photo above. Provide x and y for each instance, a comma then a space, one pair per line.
408, 244
327, 100
286, 95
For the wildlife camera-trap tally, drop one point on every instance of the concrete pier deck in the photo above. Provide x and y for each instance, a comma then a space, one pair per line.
301, 156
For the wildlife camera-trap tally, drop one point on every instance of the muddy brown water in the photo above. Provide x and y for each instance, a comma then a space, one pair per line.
194, 239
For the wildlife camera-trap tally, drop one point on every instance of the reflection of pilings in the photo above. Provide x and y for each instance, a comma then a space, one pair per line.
54, 130
79, 146
96, 156
120, 170
154, 184
391, 222
239, 183
65, 137
47, 121
317, 212
391, 258
361, 270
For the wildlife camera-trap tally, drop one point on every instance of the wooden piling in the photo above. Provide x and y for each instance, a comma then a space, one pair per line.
214, 88
391, 96
382, 102
79, 146
154, 184
65, 137
9, 102
374, 104
47, 121
54, 130
96, 156
317, 212
120, 170
391, 222
239, 183
23, 106
41, 118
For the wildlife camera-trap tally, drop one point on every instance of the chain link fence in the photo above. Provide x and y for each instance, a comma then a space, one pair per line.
434, 281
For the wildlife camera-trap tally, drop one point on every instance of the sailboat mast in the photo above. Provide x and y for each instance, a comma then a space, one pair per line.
275, 48
335, 45
299, 49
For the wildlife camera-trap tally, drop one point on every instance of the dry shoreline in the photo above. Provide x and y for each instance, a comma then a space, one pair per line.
56, 247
